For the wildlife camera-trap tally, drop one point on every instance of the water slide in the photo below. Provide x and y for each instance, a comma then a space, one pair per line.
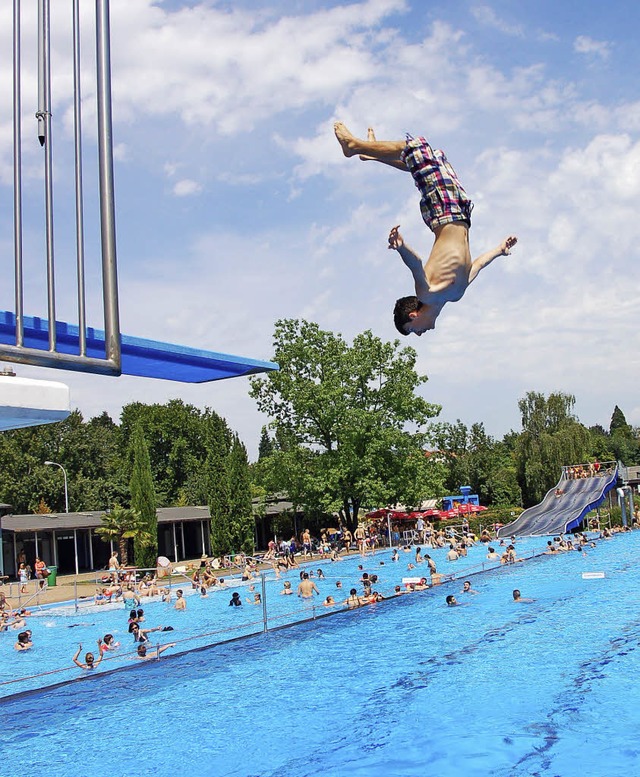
562, 512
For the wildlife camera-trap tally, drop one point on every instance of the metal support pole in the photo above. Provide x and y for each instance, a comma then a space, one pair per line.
107, 188
265, 627
77, 126
44, 136
75, 550
35, 541
175, 543
17, 176
90, 550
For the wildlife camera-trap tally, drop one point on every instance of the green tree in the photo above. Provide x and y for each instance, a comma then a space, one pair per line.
88, 452
551, 438
623, 441
121, 524
345, 411
143, 500
218, 488
619, 423
177, 437
476, 459
241, 520
266, 446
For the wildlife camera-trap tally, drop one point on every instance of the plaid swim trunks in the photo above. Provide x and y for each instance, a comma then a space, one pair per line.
443, 200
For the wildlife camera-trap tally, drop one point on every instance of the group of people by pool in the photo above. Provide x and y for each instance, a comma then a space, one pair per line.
373, 586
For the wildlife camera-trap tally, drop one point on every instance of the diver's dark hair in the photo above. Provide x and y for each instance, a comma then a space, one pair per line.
403, 307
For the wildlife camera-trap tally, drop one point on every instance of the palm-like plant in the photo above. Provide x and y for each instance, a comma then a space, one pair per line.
121, 524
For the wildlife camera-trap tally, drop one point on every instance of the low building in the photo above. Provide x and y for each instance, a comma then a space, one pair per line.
69, 541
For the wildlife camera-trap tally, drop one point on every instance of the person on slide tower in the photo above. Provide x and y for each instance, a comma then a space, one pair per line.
446, 210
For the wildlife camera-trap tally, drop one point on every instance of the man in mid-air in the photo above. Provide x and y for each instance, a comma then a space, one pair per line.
446, 210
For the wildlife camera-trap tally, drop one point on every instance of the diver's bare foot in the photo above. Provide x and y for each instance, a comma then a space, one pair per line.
348, 141
371, 138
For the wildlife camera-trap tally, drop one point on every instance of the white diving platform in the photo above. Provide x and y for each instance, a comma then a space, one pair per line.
30, 402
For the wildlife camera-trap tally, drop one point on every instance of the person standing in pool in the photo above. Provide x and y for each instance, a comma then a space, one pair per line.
307, 587
181, 602
519, 599
24, 641
90, 662
144, 655
446, 210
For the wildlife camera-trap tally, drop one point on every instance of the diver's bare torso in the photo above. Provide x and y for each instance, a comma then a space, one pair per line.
448, 266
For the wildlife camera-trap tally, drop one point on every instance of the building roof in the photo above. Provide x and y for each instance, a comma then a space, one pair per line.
91, 519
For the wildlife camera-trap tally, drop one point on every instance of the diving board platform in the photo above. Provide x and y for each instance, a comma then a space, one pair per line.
140, 357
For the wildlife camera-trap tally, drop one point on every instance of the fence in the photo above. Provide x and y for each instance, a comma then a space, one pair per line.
216, 623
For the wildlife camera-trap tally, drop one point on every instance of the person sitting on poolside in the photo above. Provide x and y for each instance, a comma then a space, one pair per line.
446, 210
90, 662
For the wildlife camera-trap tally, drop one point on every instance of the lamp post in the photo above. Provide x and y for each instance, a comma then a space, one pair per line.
66, 492
66, 506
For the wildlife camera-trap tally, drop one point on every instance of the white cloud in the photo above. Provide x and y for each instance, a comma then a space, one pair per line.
583, 44
488, 17
186, 187
240, 103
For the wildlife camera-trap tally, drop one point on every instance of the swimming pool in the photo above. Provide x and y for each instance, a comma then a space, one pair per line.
59, 629
406, 687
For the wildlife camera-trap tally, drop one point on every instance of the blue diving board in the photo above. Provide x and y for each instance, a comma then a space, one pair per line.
140, 357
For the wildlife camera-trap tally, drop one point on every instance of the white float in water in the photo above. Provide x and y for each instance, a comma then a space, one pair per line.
592, 575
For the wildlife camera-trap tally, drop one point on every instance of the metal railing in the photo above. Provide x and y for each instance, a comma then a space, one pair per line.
44, 136
254, 626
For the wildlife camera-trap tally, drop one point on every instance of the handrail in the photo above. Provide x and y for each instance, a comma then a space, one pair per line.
309, 611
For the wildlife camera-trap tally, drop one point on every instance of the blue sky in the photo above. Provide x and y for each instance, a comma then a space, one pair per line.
236, 207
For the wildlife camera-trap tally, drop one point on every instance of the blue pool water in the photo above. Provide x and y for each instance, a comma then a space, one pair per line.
406, 687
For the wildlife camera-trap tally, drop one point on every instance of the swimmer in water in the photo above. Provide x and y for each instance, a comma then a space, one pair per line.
90, 662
